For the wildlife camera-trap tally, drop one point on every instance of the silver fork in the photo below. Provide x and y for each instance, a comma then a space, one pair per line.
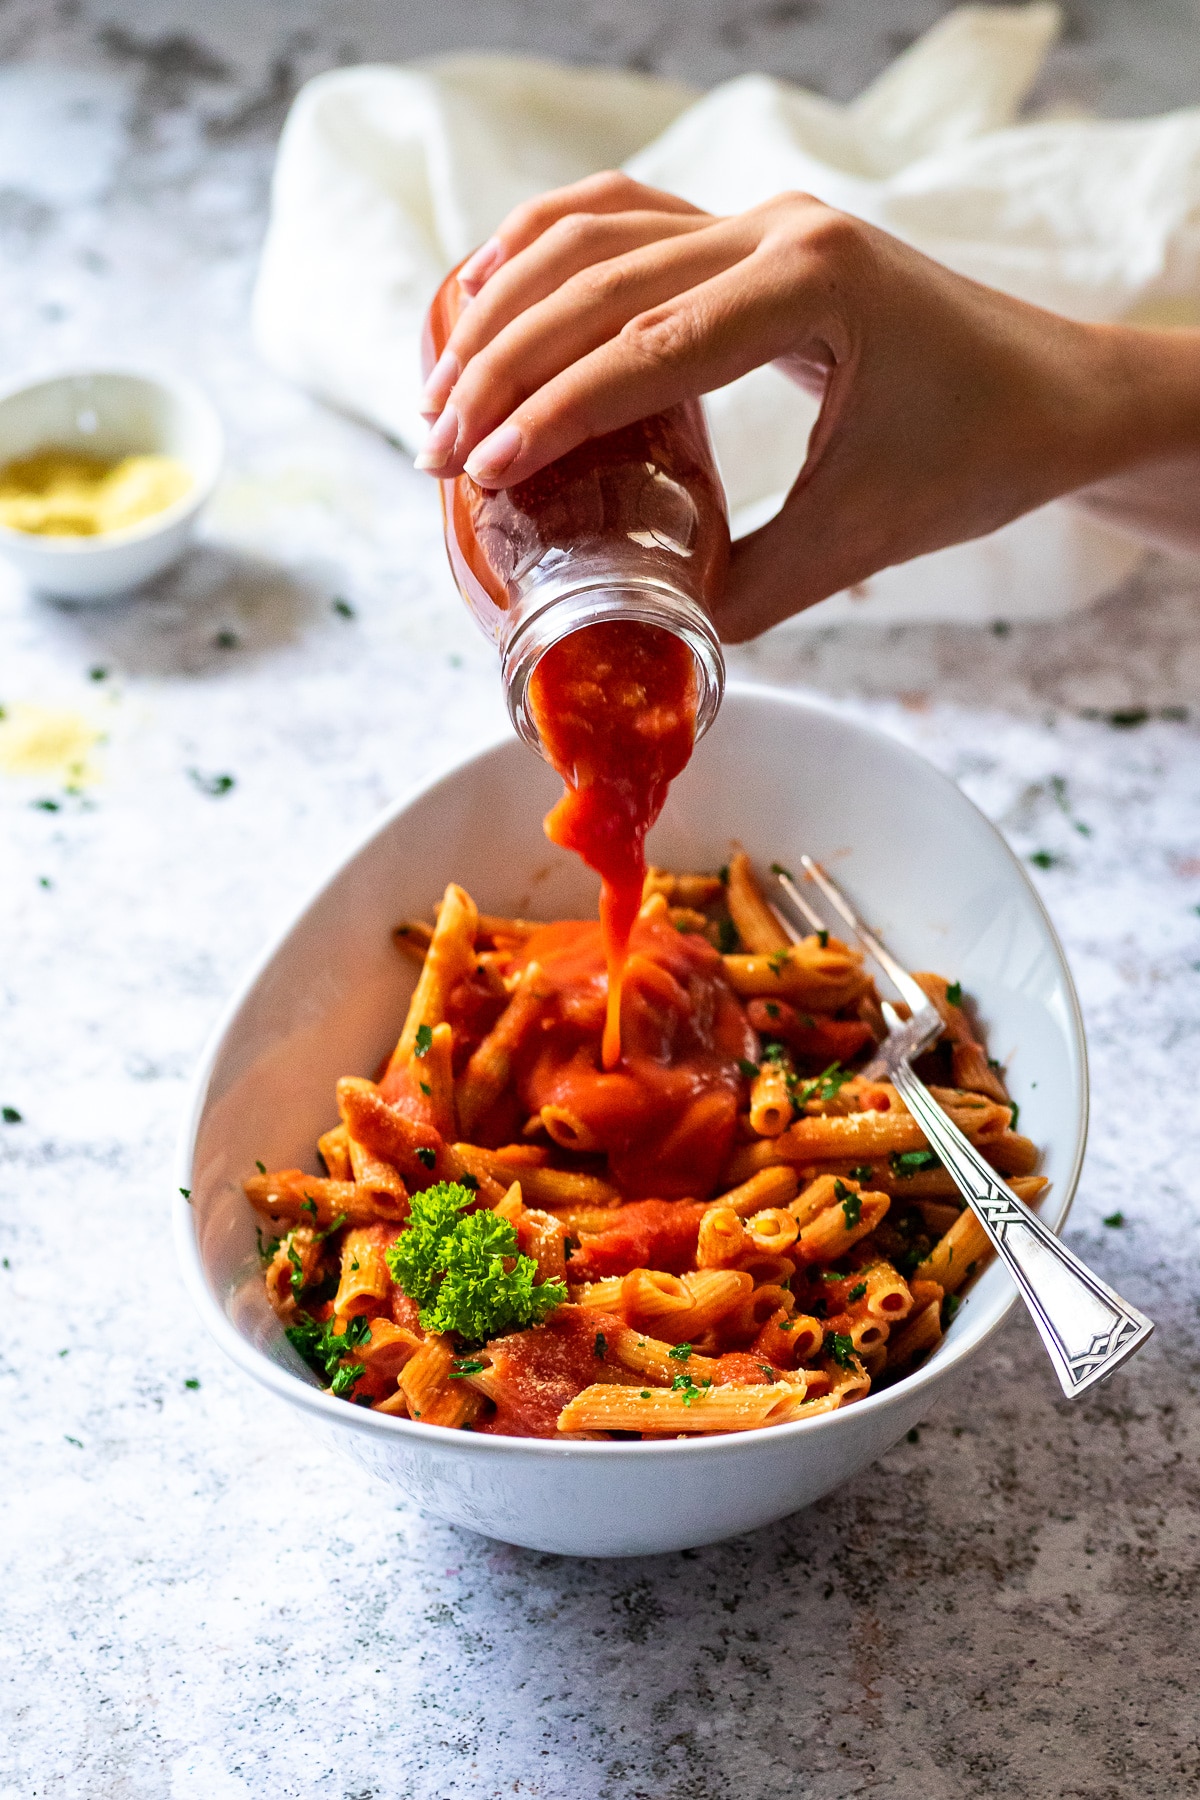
1087, 1329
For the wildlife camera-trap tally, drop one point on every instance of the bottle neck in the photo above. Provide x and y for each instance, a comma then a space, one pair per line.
544, 618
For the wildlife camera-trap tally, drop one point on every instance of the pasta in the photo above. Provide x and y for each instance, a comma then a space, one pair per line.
729, 1230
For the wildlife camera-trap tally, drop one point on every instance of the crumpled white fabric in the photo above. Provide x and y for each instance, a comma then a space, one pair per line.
387, 176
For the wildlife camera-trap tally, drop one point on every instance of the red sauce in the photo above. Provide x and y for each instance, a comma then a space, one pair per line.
615, 706
545, 1368
614, 703
666, 1116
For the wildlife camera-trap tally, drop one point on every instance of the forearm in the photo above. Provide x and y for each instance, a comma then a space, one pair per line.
1152, 445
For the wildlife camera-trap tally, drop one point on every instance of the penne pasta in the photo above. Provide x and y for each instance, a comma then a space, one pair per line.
449, 958
759, 929
486, 1074
705, 1237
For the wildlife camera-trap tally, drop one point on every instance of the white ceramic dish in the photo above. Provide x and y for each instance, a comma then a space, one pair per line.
110, 413
781, 774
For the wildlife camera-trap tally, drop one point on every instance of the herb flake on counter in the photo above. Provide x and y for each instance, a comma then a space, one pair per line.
1114, 1221
11, 1116
212, 785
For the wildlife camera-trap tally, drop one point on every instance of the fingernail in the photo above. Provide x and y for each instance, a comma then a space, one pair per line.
443, 436
485, 261
489, 460
442, 377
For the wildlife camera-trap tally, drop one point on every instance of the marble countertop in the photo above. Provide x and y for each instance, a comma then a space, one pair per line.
198, 1603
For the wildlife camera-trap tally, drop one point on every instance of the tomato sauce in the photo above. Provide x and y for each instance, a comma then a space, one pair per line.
615, 705
665, 1117
544, 1368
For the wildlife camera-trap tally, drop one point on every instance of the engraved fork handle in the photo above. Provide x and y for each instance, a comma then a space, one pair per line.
1087, 1329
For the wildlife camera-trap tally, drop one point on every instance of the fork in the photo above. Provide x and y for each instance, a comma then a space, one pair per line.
1088, 1330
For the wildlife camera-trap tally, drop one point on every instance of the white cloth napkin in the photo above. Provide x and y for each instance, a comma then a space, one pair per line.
387, 176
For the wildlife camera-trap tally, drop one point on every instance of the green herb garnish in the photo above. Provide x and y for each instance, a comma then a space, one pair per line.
260, 1166
600, 1346
778, 961
840, 1348
424, 1041
851, 1203
324, 1349
823, 939
1115, 1220
748, 1069
954, 993
821, 1087
857, 1291
727, 937
680, 1352
427, 1157
464, 1270
863, 1172
461, 1368
911, 1162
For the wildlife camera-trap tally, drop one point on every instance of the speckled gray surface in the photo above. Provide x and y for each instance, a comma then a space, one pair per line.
199, 1605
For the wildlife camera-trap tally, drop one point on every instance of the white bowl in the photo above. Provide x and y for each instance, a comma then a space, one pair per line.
783, 775
110, 413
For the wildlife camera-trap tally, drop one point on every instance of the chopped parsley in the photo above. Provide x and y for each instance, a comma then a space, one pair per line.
600, 1346
11, 1116
212, 785
424, 1041
1016, 1113
778, 869
950, 1306
690, 1390
266, 1246
821, 1087
260, 1166
748, 1069
425, 1087
464, 1270
723, 874
727, 937
309, 1205
296, 1278
468, 1367
857, 1291
774, 1053
851, 1203
823, 939
911, 1162
341, 607
772, 1009
469, 1181
426, 1157
778, 961
954, 993
1114, 1220
680, 1352
1045, 859
840, 1348
863, 1172
325, 1350
192, 1383
645, 1394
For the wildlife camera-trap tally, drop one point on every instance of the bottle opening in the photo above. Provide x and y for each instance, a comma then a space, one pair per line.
558, 615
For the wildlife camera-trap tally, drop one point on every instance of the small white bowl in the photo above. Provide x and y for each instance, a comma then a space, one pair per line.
110, 413
783, 775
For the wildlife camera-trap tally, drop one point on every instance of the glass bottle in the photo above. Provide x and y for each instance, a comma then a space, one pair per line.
627, 527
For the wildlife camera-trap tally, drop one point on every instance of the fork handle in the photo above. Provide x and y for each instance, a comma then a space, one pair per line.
1087, 1329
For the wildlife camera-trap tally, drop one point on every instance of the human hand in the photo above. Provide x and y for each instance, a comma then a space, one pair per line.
947, 408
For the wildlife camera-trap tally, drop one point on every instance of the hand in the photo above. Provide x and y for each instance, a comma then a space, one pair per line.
947, 408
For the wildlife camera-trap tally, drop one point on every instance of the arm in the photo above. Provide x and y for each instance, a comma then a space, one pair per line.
947, 408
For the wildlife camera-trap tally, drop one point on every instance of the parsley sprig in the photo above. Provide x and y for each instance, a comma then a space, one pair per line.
464, 1270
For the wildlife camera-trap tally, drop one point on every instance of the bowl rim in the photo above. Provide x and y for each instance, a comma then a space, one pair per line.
197, 495
324, 1406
